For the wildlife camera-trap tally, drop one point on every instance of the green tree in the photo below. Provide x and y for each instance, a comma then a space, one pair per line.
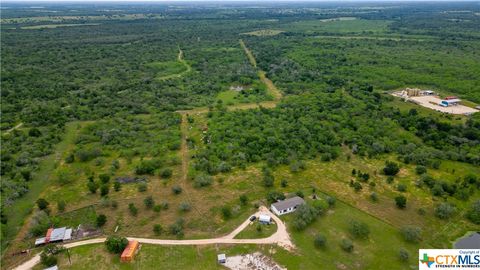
101, 220
401, 201
116, 244
359, 229
157, 229
391, 168
42, 204
149, 202
473, 213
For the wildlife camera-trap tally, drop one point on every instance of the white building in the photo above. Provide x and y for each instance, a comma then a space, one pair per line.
286, 206
221, 258
266, 219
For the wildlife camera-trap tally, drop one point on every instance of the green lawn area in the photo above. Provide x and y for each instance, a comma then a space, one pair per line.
251, 232
165, 70
228, 97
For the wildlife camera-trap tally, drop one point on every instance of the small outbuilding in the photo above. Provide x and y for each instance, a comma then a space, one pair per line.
221, 258
471, 241
52, 268
129, 251
265, 219
286, 206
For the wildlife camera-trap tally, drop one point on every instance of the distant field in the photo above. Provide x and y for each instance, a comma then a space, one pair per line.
79, 18
168, 69
50, 26
339, 19
345, 25
264, 33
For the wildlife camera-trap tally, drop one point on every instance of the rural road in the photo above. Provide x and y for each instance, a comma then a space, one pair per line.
280, 237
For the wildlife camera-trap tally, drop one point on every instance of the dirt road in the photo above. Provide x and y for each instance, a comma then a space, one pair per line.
280, 237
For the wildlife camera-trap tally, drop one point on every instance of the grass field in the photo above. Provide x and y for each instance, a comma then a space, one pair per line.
51, 26
252, 232
42, 179
264, 33
166, 70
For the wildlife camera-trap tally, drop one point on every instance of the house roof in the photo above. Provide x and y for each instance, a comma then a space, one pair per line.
469, 242
285, 204
68, 234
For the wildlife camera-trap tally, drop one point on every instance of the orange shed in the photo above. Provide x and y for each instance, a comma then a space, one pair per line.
129, 251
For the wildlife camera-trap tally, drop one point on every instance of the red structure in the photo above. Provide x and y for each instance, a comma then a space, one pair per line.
129, 251
450, 97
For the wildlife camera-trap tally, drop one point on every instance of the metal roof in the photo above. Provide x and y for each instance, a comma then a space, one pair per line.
40, 241
264, 218
288, 203
58, 234
221, 257
68, 234
469, 242
52, 268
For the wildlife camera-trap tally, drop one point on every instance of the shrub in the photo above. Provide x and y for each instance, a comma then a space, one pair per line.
401, 187
184, 207
401, 201
300, 194
142, 187
420, 169
61, 205
166, 173
226, 212
412, 234
304, 215
390, 179
104, 190
331, 201
274, 196
445, 210
114, 204
473, 213
374, 197
116, 244
284, 183
359, 229
357, 186
133, 209
202, 180
320, 241
347, 245
42, 204
157, 208
177, 227
147, 166
243, 199
268, 178
176, 190
104, 178
149, 202
101, 220
48, 260
92, 187
259, 228
157, 229
164, 205
117, 186
403, 255
391, 168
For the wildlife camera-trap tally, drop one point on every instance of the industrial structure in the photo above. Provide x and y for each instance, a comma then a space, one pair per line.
55, 235
129, 251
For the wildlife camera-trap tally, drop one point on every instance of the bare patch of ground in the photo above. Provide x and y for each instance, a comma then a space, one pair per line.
255, 261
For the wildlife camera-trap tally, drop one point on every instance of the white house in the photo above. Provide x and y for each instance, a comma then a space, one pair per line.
286, 206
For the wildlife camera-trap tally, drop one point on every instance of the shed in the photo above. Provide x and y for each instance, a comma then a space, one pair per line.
286, 206
57, 234
221, 258
52, 268
451, 97
129, 251
471, 241
266, 219
40, 241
